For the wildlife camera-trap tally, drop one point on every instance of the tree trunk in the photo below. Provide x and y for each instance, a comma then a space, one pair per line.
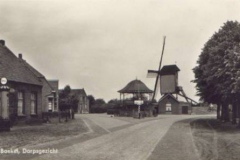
218, 111
234, 113
225, 113
221, 114
238, 109
59, 116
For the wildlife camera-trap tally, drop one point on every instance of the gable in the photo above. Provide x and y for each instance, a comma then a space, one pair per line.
168, 97
53, 84
80, 92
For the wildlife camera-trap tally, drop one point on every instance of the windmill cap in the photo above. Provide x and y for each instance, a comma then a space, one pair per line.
169, 69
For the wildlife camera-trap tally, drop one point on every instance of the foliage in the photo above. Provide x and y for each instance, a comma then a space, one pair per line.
99, 106
217, 75
91, 102
67, 100
100, 102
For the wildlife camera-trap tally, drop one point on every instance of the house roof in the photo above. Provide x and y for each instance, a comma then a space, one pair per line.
33, 70
169, 69
168, 95
135, 86
78, 91
15, 69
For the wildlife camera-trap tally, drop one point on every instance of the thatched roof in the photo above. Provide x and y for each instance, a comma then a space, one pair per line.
135, 86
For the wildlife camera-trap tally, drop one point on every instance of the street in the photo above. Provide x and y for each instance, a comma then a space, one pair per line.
121, 138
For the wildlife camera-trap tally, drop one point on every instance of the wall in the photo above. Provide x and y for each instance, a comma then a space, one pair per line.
27, 89
162, 106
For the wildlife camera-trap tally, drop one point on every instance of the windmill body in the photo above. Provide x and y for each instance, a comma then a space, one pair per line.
169, 79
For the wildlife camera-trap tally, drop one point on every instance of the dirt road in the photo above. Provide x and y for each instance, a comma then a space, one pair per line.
124, 138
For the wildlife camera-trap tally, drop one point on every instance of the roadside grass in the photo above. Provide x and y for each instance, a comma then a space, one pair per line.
216, 140
34, 135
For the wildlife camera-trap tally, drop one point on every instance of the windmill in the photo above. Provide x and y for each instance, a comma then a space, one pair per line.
167, 80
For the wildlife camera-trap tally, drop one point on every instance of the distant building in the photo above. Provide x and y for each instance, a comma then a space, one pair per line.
168, 104
29, 89
52, 96
83, 102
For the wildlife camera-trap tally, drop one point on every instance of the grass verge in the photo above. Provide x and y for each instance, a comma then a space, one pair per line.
216, 140
33, 135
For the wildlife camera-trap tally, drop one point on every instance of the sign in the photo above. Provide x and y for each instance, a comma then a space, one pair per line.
138, 102
3, 80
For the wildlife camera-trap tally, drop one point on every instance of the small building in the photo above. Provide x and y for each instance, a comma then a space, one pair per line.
83, 102
168, 104
52, 96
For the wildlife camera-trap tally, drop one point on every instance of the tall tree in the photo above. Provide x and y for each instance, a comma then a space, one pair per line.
65, 98
68, 101
91, 102
218, 69
99, 106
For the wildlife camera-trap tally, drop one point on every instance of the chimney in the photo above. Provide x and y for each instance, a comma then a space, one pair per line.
2, 42
20, 55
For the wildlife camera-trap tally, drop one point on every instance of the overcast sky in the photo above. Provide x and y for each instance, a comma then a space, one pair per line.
101, 45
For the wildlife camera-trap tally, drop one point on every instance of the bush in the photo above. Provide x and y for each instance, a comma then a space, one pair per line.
4, 124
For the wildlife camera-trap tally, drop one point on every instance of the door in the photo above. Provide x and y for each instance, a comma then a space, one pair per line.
184, 109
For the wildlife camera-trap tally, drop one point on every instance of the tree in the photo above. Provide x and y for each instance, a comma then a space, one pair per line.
99, 102
65, 98
218, 69
91, 102
67, 101
99, 106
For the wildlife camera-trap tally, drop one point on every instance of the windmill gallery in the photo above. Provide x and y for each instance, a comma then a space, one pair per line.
137, 100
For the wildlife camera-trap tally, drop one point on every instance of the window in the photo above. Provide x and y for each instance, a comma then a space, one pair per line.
168, 107
50, 104
33, 103
20, 103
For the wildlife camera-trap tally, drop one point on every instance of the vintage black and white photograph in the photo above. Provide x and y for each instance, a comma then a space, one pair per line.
119, 80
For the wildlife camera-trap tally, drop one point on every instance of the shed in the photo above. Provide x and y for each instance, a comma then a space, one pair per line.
168, 104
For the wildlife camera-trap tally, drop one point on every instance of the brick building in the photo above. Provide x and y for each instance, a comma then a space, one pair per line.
29, 89
168, 104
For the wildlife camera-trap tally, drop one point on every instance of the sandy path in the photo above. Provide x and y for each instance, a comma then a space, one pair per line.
132, 143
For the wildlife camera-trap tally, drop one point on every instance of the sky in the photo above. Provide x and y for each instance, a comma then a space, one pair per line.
102, 45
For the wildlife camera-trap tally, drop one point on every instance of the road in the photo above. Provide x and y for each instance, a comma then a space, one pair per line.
121, 138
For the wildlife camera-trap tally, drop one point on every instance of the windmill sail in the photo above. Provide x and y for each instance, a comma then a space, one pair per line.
157, 82
157, 90
152, 74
